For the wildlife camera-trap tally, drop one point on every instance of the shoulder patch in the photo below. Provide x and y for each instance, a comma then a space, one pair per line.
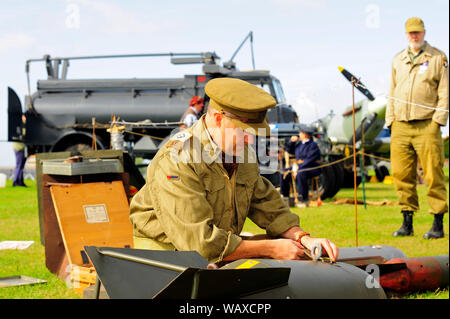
181, 136
177, 141
178, 138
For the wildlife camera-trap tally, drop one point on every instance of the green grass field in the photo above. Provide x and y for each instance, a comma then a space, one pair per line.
19, 221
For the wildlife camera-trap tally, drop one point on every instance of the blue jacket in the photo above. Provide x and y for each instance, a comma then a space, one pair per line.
309, 152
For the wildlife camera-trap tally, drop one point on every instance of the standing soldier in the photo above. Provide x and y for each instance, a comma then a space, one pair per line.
417, 108
193, 112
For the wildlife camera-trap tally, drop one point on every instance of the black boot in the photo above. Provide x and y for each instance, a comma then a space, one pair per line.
437, 230
407, 226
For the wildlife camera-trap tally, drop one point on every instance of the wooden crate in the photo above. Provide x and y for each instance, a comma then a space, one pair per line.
82, 277
92, 214
55, 254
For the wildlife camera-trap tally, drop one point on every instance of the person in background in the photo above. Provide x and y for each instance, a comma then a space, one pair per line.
19, 151
307, 154
416, 111
192, 113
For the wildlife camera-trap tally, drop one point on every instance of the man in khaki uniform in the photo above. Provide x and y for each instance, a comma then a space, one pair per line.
204, 183
417, 108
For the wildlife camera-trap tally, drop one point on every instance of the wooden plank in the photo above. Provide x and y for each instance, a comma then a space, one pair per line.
92, 214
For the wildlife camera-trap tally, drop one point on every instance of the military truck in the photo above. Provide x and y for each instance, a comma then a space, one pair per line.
139, 115
59, 114
79, 114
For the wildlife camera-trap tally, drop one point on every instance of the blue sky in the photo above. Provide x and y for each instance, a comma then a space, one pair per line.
302, 42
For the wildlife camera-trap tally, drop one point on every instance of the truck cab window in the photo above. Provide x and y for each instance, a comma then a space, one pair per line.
279, 91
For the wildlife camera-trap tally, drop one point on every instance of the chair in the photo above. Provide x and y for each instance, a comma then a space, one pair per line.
315, 189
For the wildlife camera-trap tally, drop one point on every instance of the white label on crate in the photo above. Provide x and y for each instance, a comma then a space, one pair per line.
96, 213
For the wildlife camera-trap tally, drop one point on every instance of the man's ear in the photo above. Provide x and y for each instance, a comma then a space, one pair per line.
218, 118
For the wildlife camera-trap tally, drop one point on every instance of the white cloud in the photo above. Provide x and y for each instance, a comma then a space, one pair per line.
113, 19
305, 107
15, 41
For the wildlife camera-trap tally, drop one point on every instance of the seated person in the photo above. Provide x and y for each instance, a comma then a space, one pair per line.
307, 154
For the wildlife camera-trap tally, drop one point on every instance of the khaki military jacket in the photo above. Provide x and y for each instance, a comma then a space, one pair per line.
190, 201
423, 82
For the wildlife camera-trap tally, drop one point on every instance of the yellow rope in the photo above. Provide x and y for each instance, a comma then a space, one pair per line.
140, 134
333, 163
378, 157
320, 166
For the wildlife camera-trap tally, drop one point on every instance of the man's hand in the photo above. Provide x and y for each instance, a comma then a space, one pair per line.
330, 248
308, 242
285, 249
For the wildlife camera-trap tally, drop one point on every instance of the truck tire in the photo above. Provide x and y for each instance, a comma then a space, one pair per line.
80, 147
76, 142
339, 179
327, 182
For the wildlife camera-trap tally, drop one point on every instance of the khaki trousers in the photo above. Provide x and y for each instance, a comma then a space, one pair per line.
418, 140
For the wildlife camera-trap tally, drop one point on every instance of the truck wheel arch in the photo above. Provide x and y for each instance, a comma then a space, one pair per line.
76, 138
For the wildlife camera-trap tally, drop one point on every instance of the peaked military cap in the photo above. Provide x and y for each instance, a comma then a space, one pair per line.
307, 130
243, 103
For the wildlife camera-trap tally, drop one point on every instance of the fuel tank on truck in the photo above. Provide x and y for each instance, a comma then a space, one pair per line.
161, 100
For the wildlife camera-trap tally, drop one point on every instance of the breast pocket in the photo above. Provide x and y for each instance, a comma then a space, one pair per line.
426, 84
244, 193
215, 196
424, 93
